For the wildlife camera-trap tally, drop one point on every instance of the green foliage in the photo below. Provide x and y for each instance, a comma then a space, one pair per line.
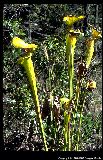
43, 25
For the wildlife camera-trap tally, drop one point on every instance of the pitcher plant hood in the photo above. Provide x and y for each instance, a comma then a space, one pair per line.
96, 34
91, 85
70, 20
19, 43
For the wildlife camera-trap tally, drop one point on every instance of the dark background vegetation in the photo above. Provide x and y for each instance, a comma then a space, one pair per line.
43, 25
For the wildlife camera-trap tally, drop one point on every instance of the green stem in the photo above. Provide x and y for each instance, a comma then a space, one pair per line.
79, 132
69, 130
65, 129
75, 109
80, 119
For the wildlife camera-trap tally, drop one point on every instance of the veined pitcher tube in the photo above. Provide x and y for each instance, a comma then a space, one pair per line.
71, 39
90, 46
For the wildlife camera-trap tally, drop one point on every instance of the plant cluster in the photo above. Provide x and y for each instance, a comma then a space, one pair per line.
59, 86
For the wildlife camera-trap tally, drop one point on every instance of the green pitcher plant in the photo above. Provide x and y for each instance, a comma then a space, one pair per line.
71, 105
70, 50
90, 45
71, 39
27, 63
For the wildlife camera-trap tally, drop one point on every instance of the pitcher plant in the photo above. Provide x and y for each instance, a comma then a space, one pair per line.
27, 63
